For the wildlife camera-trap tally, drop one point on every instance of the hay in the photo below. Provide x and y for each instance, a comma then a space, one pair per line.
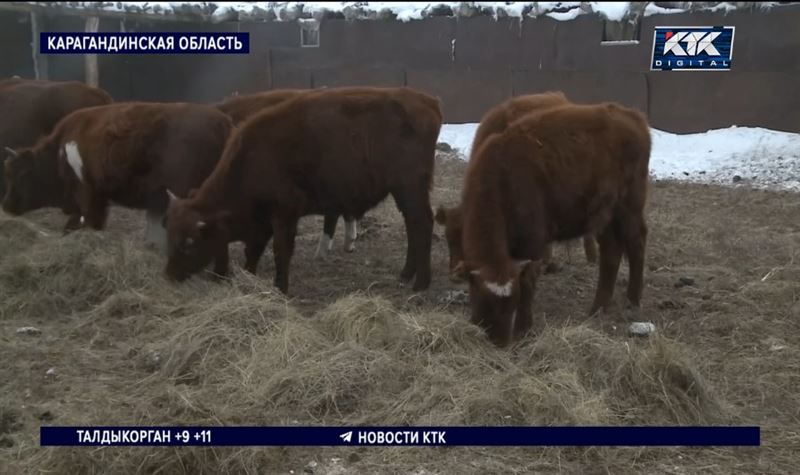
55, 276
239, 353
251, 359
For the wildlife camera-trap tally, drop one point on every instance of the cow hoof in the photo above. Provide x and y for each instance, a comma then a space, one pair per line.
595, 313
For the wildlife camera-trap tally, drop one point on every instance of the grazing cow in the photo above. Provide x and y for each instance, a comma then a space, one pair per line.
495, 121
31, 108
240, 108
552, 176
331, 151
127, 153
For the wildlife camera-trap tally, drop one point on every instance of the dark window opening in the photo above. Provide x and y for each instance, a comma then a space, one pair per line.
309, 33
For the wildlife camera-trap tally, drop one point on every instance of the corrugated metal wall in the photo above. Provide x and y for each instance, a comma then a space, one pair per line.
470, 63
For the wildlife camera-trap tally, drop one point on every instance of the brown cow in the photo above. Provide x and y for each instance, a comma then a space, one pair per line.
127, 153
31, 108
495, 121
242, 107
552, 176
338, 150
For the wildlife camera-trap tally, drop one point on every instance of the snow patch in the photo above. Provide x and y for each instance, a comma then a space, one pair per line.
763, 158
614, 11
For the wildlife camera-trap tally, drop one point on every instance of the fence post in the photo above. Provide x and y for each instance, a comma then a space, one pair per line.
92, 72
39, 60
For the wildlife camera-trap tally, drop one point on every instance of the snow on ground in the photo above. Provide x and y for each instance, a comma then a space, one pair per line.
760, 157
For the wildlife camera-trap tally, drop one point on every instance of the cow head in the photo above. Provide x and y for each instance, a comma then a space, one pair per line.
194, 237
495, 297
23, 191
451, 219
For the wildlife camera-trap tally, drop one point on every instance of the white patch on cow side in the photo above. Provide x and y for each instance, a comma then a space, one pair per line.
501, 290
155, 232
74, 159
325, 245
350, 235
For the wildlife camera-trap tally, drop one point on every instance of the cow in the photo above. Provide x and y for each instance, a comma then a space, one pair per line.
495, 121
126, 153
241, 107
331, 151
30, 108
451, 219
551, 176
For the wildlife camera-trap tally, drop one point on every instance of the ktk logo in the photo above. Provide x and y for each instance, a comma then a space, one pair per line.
692, 48
696, 43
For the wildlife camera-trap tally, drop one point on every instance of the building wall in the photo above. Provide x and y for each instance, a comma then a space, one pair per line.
470, 63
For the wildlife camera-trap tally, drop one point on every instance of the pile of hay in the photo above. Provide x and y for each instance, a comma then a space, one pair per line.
145, 352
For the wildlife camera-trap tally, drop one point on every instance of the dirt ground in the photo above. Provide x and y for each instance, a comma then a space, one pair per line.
118, 345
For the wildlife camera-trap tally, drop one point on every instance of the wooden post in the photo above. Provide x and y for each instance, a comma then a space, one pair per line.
39, 60
92, 72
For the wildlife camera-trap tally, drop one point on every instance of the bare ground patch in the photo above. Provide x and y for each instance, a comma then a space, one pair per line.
351, 345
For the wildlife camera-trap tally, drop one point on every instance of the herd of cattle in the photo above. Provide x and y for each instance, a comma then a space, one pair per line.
542, 170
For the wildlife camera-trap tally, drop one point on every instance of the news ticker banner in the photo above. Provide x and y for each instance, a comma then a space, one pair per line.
402, 436
143, 43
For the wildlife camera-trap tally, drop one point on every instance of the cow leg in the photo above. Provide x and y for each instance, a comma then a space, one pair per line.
350, 234
414, 204
326, 239
95, 210
255, 246
550, 265
590, 248
524, 319
611, 248
285, 228
74, 223
221, 260
635, 241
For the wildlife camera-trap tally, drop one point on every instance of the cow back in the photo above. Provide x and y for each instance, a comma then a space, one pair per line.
499, 117
127, 147
32, 108
564, 167
344, 148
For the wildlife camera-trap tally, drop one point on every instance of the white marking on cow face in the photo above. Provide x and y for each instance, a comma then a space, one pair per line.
501, 290
83, 220
74, 159
350, 235
325, 245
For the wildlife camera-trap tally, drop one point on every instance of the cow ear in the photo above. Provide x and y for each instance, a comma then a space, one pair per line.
441, 215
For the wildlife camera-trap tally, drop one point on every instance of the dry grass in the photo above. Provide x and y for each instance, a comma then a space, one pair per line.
353, 346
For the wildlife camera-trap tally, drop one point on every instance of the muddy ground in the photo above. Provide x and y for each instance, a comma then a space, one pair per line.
722, 288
